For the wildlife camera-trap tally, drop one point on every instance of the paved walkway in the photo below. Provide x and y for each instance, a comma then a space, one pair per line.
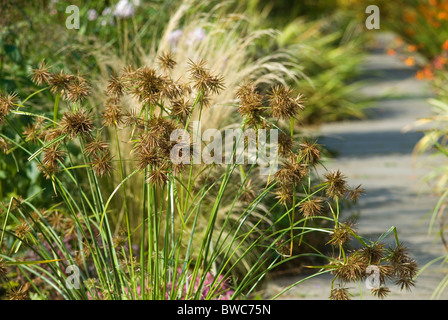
378, 154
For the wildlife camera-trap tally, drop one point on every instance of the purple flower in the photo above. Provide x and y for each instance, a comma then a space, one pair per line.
173, 38
197, 35
92, 14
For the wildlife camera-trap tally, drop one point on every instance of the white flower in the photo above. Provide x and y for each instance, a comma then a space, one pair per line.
124, 9
92, 14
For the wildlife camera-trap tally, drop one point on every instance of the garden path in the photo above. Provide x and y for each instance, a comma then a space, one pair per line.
378, 154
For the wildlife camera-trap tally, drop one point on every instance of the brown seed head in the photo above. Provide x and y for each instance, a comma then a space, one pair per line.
203, 80
3, 145
373, 253
380, 292
341, 234
20, 293
284, 193
114, 88
59, 82
282, 104
157, 176
311, 207
247, 192
77, 89
112, 115
22, 230
41, 75
180, 109
336, 184
352, 269
340, 294
52, 156
166, 61
354, 193
101, 164
146, 85
7, 102
96, 146
310, 152
285, 144
76, 123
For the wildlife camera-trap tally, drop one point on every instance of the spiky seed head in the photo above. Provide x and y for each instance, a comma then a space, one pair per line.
115, 87
77, 89
41, 74
341, 234
3, 145
180, 109
112, 115
380, 292
76, 123
340, 294
101, 164
96, 146
336, 184
52, 156
166, 61
59, 82
354, 193
203, 80
285, 144
310, 152
7, 102
284, 193
352, 269
311, 207
20, 293
283, 105
157, 176
22, 230
247, 192
373, 253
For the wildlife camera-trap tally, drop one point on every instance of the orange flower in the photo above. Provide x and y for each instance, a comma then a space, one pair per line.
439, 62
425, 73
412, 48
409, 16
420, 75
410, 61
391, 52
433, 2
445, 45
442, 15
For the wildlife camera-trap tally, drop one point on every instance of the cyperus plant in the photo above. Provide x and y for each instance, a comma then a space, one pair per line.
176, 246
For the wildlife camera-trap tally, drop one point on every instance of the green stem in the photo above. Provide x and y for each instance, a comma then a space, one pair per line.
55, 109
